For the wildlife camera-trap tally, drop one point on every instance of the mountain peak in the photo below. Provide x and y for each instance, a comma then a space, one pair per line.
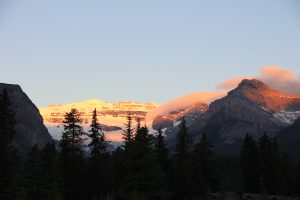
253, 84
263, 95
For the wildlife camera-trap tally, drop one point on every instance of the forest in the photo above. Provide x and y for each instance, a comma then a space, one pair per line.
142, 168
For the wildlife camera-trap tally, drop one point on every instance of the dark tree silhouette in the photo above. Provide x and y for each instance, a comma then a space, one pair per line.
8, 153
249, 162
205, 166
71, 161
181, 174
98, 144
98, 174
128, 134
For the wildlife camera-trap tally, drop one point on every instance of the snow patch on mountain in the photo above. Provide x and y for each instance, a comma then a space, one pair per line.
287, 117
176, 123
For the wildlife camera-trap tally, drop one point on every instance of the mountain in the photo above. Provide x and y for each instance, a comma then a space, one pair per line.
289, 139
29, 128
112, 116
252, 107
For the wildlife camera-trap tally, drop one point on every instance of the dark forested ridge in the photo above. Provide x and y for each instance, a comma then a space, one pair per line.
142, 168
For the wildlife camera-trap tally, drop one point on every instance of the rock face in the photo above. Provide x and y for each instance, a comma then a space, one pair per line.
252, 108
29, 128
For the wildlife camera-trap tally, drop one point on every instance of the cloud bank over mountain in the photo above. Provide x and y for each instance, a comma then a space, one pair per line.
184, 102
276, 77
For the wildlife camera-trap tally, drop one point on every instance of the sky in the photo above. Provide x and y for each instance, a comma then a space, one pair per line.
63, 51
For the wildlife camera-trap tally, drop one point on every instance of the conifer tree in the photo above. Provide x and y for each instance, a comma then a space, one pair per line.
162, 160
182, 176
72, 131
141, 171
161, 150
270, 164
98, 177
48, 166
128, 133
71, 162
8, 153
39, 173
206, 169
32, 185
98, 144
249, 162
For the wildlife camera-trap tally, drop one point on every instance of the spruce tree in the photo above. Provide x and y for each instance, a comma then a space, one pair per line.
32, 184
98, 144
162, 159
128, 133
182, 176
205, 167
270, 164
249, 162
48, 166
71, 161
8, 152
161, 150
98, 175
141, 171
71, 140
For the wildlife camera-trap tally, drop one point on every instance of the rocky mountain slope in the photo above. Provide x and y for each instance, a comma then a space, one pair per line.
29, 128
112, 116
289, 139
252, 108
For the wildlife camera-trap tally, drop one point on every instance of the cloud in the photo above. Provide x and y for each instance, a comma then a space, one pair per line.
184, 102
281, 79
276, 77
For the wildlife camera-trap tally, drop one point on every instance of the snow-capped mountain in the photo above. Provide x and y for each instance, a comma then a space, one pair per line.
252, 108
112, 116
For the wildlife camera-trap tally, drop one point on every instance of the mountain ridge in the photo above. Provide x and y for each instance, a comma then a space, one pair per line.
29, 127
251, 108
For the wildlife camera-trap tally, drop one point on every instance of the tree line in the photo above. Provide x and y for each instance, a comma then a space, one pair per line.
142, 168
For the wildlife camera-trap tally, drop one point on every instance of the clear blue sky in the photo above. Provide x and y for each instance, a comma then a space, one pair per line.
66, 50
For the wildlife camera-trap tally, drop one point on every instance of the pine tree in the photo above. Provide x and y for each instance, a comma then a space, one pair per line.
182, 182
140, 169
71, 161
72, 131
8, 153
205, 167
162, 159
249, 162
128, 134
161, 150
33, 175
98, 178
48, 166
98, 144
270, 164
